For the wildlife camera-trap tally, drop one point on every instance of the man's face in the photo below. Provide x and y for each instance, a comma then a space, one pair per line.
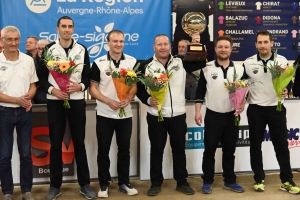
116, 43
65, 29
181, 47
30, 44
11, 42
223, 50
40, 49
162, 47
264, 45
1, 46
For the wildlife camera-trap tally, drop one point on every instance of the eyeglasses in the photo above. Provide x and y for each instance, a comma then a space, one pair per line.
11, 40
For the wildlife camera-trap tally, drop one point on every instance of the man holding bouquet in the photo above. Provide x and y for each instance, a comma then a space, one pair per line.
64, 49
173, 113
262, 111
109, 120
219, 117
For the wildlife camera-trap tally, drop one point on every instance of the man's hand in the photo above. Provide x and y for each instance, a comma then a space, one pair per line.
242, 107
59, 94
125, 102
198, 118
284, 93
114, 105
153, 102
23, 101
73, 87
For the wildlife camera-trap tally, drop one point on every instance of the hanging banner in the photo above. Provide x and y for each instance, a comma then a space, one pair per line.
140, 20
242, 19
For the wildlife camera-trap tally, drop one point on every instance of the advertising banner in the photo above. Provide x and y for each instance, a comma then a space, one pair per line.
242, 19
140, 20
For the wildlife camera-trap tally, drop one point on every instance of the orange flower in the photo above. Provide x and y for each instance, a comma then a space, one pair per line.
64, 66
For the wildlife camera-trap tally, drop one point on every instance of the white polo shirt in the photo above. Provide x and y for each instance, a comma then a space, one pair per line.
16, 76
262, 91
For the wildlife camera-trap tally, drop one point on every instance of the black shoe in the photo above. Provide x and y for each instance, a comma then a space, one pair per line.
185, 189
154, 190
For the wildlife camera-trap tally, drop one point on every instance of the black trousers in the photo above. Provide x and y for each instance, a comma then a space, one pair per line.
219, 127
105, 130
258, 118
176, 128
57, 116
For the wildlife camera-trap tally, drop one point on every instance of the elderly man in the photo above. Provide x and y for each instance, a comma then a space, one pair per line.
17, 88
1, 47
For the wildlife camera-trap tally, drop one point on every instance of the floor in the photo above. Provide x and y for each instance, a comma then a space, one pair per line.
70, 191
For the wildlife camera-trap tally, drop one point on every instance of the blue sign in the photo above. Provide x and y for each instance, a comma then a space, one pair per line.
140, 20
194, 138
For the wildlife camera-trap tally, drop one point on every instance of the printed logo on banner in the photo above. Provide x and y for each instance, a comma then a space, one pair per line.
38, 6
292, 137
194, 138
97, 37
243, 139
40, 154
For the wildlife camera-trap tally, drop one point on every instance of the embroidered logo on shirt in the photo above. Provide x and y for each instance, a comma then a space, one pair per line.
77, 57
255, 70
214, 75
176, 68
107, 72
3, 68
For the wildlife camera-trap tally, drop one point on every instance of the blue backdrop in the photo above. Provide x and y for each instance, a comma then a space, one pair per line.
140, 20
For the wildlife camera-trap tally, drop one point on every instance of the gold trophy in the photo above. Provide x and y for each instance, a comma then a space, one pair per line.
194, 22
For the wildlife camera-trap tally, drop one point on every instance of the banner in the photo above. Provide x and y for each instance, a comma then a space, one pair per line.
140, 20
242, 19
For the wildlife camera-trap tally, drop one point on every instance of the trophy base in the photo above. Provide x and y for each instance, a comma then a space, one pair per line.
195, 52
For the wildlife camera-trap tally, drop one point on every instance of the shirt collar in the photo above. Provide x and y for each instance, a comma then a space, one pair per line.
271, 58
218, 65
110, 58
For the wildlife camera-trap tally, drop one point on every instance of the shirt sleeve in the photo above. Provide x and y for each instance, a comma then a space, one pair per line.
95, 73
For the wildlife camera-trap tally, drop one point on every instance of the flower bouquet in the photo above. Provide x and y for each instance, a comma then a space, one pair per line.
123, 80
157, 82
61, 69
237, 92
281, 76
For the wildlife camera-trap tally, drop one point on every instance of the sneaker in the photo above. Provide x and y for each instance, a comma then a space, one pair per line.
103, 192
88, 192
234, 187
185, 189
154, 190
128, 189
290, 187
8, 197
27, 196
53, 193
206, 188
259, 186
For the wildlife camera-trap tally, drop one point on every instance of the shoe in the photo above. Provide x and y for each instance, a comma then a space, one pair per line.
103, 192
27, 196
259, 186
185, 189
290, 187
206, 188
8, 197
234, 187
154, 190
88, 192
128, 189
53, 193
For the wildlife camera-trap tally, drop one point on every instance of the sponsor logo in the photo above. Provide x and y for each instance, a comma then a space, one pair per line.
255, 70
40, 154
292, 137
107, 2
214, 75
243, 138
38, 6
194, 138
96, 39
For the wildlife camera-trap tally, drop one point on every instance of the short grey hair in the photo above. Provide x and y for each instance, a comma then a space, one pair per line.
45, 42
7, 29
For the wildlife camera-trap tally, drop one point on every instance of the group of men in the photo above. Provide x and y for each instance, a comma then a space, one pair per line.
19, 69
